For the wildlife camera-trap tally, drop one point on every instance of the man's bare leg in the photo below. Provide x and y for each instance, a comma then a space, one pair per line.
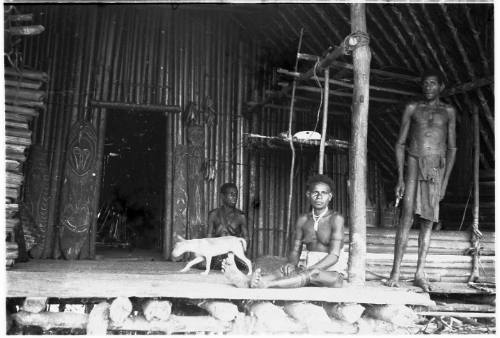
330, 279
424, 241
406, 222
233, 274
296, 280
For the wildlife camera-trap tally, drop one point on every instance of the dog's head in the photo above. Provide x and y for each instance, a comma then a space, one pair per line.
180, 246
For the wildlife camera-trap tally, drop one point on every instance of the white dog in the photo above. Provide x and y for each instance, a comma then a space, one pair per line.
206, 248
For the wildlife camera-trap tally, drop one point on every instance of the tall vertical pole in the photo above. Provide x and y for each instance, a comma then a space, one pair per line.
325, 122
476, 234
358, 158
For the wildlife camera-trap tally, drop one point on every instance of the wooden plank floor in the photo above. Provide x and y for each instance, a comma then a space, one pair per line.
138, 278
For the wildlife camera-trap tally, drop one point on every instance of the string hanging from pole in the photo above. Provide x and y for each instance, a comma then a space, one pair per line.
292, 148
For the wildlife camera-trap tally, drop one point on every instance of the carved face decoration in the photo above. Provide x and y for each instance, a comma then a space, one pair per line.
82, 149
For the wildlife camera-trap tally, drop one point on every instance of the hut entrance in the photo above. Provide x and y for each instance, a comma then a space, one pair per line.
133, 183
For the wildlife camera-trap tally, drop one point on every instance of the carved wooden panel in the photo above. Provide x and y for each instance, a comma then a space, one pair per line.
180, 195
78, 189
196, 204
34, 210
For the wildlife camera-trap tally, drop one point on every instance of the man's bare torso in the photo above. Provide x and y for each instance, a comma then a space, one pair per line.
318, 240
429, 129
228, 224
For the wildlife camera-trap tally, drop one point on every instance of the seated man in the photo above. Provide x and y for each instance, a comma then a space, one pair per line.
321, 232
227, 220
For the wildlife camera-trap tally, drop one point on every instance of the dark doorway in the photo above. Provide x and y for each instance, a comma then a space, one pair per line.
133, 185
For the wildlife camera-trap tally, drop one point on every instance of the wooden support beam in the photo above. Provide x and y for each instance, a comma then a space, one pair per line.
380, 72
395, 47
135, 106
403, 42
346, 19
348, 85
358, 153
340, 93
468, 86
425, 37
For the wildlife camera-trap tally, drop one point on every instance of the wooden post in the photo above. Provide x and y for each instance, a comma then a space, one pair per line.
475, 211
357, 209
325, 122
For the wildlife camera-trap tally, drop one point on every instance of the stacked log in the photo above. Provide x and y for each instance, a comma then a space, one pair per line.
448, 259
24, 100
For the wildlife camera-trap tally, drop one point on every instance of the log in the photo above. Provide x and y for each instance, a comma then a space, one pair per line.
224, 311
20, 94
12, 193
12, 254
30, 112
11, 223
358, 152
12, 165
458, 314
156, 309
17, 117
175, 324
349, 312
272, 319
399, 315
51, 320
458, 307
9, 262
14, 179
15, 156
15, 124
25, 103
313, 317
18, 140
34, 304
98, 320
11, 246
24, 133
20, 17
25, 30
120, 309
22, 83
28, 74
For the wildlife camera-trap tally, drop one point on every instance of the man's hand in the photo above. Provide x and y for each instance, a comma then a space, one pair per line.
288, 269
400, 189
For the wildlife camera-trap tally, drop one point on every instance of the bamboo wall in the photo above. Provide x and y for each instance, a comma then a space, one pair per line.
146, 55
160, 54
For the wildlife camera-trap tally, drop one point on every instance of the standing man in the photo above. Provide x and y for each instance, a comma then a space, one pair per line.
317, 256
429, 128
227, 220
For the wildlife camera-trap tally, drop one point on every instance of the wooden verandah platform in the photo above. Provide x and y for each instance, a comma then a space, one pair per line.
109, 278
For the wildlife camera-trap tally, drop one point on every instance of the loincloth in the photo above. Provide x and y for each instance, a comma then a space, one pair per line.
309, 258
430, 175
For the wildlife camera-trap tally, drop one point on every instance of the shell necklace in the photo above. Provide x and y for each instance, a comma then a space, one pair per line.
317, 218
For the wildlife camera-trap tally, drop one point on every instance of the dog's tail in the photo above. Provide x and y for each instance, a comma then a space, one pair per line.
243, 243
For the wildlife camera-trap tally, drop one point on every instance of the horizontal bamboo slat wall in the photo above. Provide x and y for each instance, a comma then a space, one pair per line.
145, 55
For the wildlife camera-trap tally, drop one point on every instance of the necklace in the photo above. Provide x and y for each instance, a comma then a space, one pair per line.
317, 218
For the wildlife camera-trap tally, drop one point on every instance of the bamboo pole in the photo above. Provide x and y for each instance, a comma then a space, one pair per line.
348, 85
419, 47
468, 65
325, 122
361, 62
424, 36
388, 37
468, 86
134, 106
405, 77
339, 93
401, 38
475, 34
27, 74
